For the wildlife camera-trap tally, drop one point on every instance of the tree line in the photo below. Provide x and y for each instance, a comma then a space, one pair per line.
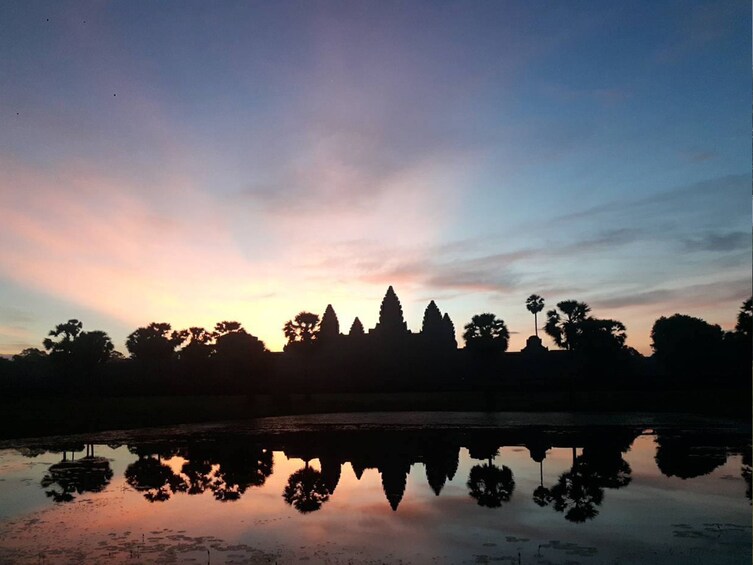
229, 359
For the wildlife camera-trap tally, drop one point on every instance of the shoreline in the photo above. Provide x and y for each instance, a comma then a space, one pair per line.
48, 416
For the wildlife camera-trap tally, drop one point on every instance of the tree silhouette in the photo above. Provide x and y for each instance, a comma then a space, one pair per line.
357, 328
77, 354
744, 324
686, 346
563, 327
66, 334
154, 343
535, 304
222, 328
34, 364
329, 329
93, 348
489, 485
572, 328
595, 335
306, 491
31, 355
197, 348
486, 333
301, 329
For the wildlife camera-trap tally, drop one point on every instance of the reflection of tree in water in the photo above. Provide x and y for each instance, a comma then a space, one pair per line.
490, 485
686, 457
580, 490
239, 469
607, 467
542, 496
87, 474
154, 479
306, 491
198, 471
577, 493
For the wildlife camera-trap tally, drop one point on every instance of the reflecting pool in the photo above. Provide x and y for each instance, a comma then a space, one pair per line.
385, 488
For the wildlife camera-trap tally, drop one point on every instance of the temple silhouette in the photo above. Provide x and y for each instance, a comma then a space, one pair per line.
437, 330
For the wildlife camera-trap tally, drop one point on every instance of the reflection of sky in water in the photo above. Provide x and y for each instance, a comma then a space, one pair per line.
653, 518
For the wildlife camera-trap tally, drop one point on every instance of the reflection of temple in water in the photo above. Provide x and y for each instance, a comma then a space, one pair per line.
229, 467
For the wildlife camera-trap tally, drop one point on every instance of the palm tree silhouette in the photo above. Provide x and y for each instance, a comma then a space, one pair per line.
535, 304
542, 496
578, 492
490, 485
563, 328
486, 333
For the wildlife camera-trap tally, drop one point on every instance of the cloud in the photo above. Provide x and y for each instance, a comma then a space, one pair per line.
15, 338
176, 253
688, 296
699, 155
719, 242
455, 268
13, 315
673, 215
96, 241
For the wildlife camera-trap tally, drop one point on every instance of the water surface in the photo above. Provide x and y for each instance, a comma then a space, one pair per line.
411, 488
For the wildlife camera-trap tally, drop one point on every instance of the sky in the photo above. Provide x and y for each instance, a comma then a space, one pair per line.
192, 162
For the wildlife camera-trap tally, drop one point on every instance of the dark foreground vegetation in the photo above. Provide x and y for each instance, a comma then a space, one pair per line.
693, 366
